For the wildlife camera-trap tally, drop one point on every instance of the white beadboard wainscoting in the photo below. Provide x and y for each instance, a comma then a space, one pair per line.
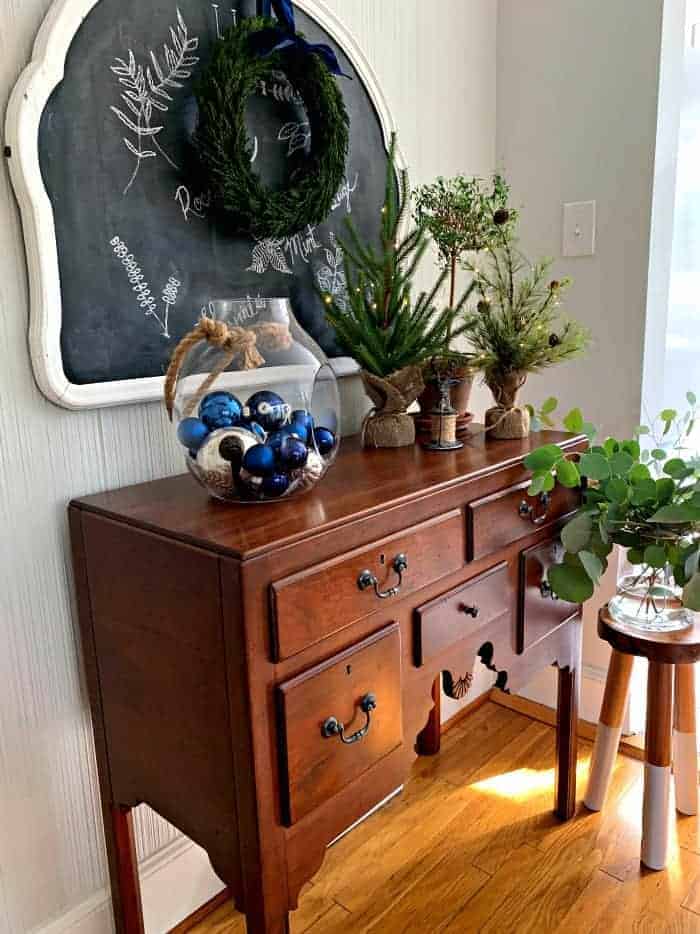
438, 73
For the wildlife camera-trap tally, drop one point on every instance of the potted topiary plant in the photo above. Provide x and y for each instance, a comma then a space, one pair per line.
391, 334
645, 500
518, 329
462, 215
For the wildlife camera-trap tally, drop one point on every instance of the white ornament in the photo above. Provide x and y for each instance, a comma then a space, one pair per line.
211, 468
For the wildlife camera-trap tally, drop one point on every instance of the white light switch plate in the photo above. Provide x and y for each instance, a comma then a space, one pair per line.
579, 229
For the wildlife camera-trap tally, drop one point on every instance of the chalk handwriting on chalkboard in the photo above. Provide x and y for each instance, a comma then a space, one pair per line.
147, 89
296, 135
344, 194
279, 88
330, 278
195, 205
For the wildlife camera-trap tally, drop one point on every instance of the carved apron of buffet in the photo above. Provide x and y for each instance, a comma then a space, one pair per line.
263, 676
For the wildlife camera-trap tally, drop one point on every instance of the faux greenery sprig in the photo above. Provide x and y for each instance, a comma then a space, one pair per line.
518, 326
463, 215
383, 327
647, 501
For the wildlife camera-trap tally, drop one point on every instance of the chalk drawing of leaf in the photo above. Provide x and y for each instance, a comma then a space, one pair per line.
266, 253
147, 88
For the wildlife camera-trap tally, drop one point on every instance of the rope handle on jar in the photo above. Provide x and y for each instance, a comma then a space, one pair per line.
232, 341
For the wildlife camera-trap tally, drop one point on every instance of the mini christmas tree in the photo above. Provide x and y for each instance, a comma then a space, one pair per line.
517, 329
381, 325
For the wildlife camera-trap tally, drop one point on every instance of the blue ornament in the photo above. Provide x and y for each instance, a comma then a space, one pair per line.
268, 409
259, 460
293, 453
220, 410
256, 429
276, 484
275, 438
303, 418
325, 440
192, 432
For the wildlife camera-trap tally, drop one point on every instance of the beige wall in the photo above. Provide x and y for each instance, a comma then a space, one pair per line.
577, 108
439, 75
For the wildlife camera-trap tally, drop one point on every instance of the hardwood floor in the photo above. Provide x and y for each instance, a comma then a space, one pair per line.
472, 845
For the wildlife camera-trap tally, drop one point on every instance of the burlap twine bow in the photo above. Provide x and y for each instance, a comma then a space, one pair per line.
233, 342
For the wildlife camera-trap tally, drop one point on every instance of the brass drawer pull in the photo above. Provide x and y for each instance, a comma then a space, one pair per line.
368, 579
469, 610
333, 727
527, 510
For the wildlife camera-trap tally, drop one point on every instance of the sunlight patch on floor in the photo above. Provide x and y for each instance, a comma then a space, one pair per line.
524, 783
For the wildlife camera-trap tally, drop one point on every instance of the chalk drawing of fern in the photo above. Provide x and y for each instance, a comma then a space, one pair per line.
146, 92
331, 277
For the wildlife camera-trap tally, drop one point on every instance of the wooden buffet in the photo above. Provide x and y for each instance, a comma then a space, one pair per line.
262, 676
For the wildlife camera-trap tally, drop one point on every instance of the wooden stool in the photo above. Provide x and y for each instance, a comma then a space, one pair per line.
671, 656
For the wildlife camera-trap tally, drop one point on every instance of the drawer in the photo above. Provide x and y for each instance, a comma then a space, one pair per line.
539, 613
338, 719
321, 600
506, 516
455, 615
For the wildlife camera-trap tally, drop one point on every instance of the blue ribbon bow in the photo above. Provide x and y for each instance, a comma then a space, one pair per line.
284, 36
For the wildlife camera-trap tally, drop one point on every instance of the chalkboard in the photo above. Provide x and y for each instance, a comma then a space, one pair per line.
140, 250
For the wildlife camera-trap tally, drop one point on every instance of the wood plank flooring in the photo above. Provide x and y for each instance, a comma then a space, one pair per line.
472, 845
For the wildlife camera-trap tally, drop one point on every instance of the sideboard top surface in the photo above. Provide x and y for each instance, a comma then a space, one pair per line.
361, 483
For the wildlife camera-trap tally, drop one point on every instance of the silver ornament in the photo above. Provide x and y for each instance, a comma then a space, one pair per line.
312, 471
214, 471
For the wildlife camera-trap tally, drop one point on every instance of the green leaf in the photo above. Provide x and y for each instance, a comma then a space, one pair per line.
603, 532
576, 534
676, 513
543, 458
569, 583
639, 473
611, 446
677, 468
621, 463
590, 431
655, 556
635, 556
617, 490
659, 454
567, 473
691, 397
691, 563
665, 488
592, 565
632, 448
574, 421
643, 492
594, 466
536, 485
691, 592
641, 430
667, 415
548, 406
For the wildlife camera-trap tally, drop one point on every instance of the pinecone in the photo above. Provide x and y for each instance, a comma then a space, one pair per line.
554, 340
501, 217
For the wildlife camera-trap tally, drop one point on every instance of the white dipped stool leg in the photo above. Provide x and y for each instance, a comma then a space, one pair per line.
607, 737
657, 766
685, 743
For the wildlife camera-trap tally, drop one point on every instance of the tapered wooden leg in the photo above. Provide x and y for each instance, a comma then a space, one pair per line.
607, 737
567, 742
657, 766
429, 738
126, 893
685, 742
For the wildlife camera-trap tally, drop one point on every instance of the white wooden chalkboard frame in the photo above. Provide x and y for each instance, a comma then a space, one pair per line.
27, 102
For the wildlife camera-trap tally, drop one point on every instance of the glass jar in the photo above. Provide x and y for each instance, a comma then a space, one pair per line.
648, 599
256, 403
